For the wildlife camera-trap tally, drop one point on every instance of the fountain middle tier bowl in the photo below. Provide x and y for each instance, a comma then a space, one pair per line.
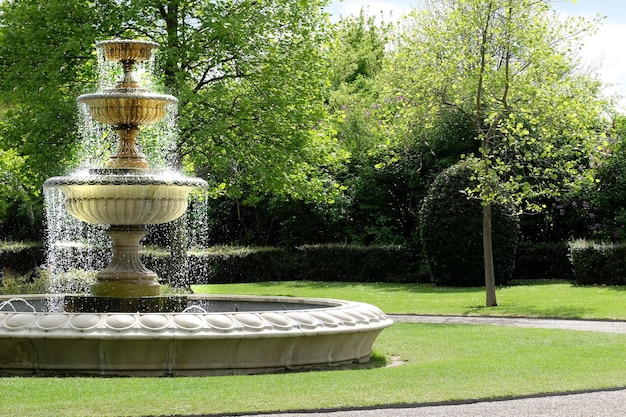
126, 199
127, 107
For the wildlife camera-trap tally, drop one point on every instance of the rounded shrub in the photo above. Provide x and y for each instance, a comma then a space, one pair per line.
452, 232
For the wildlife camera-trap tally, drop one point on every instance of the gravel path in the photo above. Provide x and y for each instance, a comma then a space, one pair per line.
582, 325
594, 404
609, 403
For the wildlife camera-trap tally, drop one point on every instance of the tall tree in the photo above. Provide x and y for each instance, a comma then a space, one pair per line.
248, 75
510, 68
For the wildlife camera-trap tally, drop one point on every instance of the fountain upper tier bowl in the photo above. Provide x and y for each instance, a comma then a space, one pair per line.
127, 50
126, 199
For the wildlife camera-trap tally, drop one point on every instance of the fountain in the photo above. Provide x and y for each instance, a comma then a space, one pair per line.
125, 326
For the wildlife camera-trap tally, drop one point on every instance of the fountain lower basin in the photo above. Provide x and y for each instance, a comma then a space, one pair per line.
228, 335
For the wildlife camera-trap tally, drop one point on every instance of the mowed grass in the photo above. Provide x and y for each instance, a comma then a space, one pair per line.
437, 363
440, 363
546, 299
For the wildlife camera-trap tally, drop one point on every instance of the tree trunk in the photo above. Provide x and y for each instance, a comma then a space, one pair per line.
490, 278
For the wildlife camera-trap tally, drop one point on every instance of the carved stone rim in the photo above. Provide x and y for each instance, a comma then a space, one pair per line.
126, 41
129, 94
125, 179
333, 316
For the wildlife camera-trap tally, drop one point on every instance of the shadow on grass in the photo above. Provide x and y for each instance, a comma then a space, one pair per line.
383, 287
529, 312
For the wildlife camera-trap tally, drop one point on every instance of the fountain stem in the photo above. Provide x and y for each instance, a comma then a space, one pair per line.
128, 80
126, 275
127, 155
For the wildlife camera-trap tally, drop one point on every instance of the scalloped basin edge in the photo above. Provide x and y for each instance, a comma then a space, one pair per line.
323, 332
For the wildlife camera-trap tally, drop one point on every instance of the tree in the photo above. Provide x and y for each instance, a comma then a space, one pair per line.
42, 60
247, 73
508, 66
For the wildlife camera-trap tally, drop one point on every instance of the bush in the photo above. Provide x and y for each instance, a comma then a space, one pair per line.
231, 264
451, 232
548, 260
598, 263
20, 257
34, 282
354, 263
224, 264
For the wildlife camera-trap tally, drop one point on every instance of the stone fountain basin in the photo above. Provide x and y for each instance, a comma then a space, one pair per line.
126, 199
249, 335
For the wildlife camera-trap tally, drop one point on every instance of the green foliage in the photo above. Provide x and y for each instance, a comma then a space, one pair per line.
543, 260
226, 264
229, 264
598, 263
357, 50
354, 263
250, 80
248, 74
20, 257
609, 195
512, 71
35, 282
46, 60
451, 231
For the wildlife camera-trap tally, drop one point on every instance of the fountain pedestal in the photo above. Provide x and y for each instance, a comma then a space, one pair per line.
126, 275
126, 195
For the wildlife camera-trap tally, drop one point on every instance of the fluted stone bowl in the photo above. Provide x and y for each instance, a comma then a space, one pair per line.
126, 199
120, 50
127, 107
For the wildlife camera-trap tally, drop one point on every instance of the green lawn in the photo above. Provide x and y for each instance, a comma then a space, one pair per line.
554, 299
443, 362
439, 362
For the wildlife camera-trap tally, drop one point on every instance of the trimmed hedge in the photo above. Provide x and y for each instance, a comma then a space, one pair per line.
352, 263
451, 232
21, 257
543, 261
598, 263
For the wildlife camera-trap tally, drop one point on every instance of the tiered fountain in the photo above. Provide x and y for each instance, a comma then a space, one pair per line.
124, 326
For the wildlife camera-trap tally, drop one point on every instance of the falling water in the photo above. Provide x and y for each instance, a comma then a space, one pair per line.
72, 243
110, 72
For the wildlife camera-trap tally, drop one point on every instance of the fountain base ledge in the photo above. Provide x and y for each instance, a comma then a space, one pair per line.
266, 334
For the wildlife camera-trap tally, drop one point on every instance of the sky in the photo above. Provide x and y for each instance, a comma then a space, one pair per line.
606, 50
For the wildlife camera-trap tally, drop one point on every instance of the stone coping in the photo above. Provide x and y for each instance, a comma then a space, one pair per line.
332, 316
126, 179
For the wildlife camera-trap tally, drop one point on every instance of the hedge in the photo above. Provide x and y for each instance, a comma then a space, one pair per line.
543, 261
354, 263
331, 262
21, 257
598, 263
